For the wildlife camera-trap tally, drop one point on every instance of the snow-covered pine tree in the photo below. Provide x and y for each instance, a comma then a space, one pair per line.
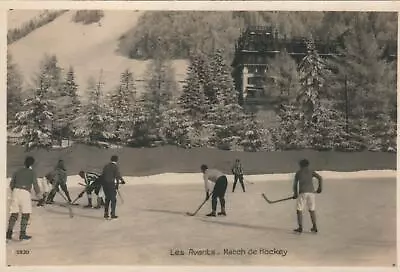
34, 121
365, 83
177, 127
320, 118
225, 118
94, 125
289, 134
193, 100
53, 72
326, 131
254, 137
313, 73
68, 105
160, 87
221, 82
14, 91
122, 105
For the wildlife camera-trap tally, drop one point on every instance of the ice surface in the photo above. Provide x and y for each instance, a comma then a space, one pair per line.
356, 218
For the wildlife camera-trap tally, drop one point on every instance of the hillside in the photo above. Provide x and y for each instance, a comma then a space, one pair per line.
88, 48
16, 18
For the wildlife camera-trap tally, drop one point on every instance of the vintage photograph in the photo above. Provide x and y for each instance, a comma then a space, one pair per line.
193, 138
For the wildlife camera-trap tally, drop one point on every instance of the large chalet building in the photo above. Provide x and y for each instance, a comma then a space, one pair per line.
257, 44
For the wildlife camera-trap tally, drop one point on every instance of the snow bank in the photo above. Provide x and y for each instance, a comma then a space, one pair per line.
195, 178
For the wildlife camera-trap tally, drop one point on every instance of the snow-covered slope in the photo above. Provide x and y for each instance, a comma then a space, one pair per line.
88, 48
17, 18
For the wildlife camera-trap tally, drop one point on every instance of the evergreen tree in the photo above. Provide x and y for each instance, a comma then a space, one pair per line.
222, 89
94, 126
177, 127
49, 66
225, 117
70, 88
122, 107
193, 99
313, 74
253, 136
322, 123
327, 129
289, 134
159, 90
365, 84
52, 71
14, 91
34, 121
68, 105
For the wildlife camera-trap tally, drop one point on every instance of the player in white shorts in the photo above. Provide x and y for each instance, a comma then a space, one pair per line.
303, 191
45, 187
21, 186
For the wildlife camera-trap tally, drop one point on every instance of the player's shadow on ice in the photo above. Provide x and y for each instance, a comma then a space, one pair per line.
75, 215
165, 211
239, 225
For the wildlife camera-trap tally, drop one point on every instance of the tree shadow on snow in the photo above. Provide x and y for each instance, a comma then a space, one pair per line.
165, 211
239, 225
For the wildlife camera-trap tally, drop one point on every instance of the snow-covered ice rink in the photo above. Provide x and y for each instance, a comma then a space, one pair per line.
356, 218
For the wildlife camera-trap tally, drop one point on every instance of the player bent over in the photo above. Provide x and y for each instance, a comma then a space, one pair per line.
304, 192
93, 183
44, 185
21, 186
221, 183
59, 179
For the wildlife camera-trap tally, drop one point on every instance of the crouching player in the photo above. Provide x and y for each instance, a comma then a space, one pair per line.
21, 186
303, 191
45, 187
92, 183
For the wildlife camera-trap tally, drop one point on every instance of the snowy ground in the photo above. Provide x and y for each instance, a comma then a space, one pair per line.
356, 215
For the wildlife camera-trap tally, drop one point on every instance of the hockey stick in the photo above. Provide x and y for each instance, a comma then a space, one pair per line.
71, 213
198, 209
78, 197
275, 201
120, 196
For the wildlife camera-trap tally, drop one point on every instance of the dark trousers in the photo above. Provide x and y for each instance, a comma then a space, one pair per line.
240, 178
56, 189
111, 198
219, 192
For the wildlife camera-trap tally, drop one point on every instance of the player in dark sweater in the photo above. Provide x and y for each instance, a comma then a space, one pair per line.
58, 179
303, 191
111, 178
21, 186
237, 171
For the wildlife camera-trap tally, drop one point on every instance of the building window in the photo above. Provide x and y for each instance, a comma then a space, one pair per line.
252, 81
255, 81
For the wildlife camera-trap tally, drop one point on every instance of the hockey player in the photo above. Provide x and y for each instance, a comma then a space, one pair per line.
21, 186
111, 178
304, 192
221, 183
93, 183
237, 171
59, 179
44, 185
